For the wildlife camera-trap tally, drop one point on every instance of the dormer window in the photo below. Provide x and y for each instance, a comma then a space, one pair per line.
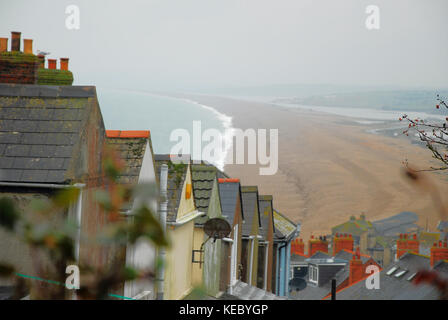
313, 274
392, 270
401, 273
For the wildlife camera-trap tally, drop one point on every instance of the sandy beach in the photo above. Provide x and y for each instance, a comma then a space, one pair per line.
330, 168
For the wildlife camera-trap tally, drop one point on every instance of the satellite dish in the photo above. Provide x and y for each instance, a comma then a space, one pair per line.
217, 228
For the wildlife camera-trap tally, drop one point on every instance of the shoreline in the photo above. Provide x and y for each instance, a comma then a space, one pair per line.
329, 167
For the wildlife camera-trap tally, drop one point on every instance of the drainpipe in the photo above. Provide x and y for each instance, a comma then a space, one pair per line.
252, 240
266, 259
162, 217
282, 270
78, 221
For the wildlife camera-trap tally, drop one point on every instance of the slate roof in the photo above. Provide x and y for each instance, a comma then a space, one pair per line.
229, 193
249, 196
298, 259
320, 255
176, 179
265, 208
40, 127
402, 222
6, 292
330, 270
393, 287
131, 151
244, 291
340, 272
203, 178
284, 228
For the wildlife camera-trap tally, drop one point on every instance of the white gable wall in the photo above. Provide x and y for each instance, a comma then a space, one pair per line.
142, 255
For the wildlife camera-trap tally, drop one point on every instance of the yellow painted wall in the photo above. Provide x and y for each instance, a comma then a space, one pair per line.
186, 206
178, 272
198, 239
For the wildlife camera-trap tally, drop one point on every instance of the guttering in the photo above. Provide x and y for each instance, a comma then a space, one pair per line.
42, 185
227, 240
191, 216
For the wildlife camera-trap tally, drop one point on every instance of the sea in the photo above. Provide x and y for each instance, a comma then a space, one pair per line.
139, 110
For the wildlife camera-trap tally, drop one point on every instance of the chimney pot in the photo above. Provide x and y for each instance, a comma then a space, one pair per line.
28, 46
3, 44
15, 41
64, 64
52, 63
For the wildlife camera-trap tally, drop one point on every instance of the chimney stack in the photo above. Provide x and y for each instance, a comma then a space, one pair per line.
52, 63
439, 251
315, 245
342, 241
405, 244
28, 46
356, 268
3, 44
41, 58
15, 41
64, 64
298, 247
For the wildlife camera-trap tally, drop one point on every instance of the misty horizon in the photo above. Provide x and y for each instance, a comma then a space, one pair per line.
214, 45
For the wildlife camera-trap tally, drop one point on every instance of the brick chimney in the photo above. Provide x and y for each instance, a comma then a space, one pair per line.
28, 46
15, 41
52, 63
41, 58
356, 268
64, 63
298, 247
439, 251
3, 44
405, 244
342, 241
315, 245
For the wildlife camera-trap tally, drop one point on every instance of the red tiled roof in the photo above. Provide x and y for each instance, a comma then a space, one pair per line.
127, 133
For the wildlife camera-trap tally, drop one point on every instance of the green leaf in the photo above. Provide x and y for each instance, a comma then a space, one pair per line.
103, 199
66, 197
6, 270
146, 225
9, 215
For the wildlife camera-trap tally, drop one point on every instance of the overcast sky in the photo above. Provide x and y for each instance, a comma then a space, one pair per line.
184, 44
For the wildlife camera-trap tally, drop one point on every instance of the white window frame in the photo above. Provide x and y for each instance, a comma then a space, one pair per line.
313, 274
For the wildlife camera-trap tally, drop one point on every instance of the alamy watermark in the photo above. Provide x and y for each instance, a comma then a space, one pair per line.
73, 19
373, 18
223, 148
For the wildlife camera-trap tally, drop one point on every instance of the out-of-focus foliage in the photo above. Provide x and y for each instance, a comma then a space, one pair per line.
433, 134
52, 240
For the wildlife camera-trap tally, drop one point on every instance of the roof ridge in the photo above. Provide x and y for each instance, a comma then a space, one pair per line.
127, 133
